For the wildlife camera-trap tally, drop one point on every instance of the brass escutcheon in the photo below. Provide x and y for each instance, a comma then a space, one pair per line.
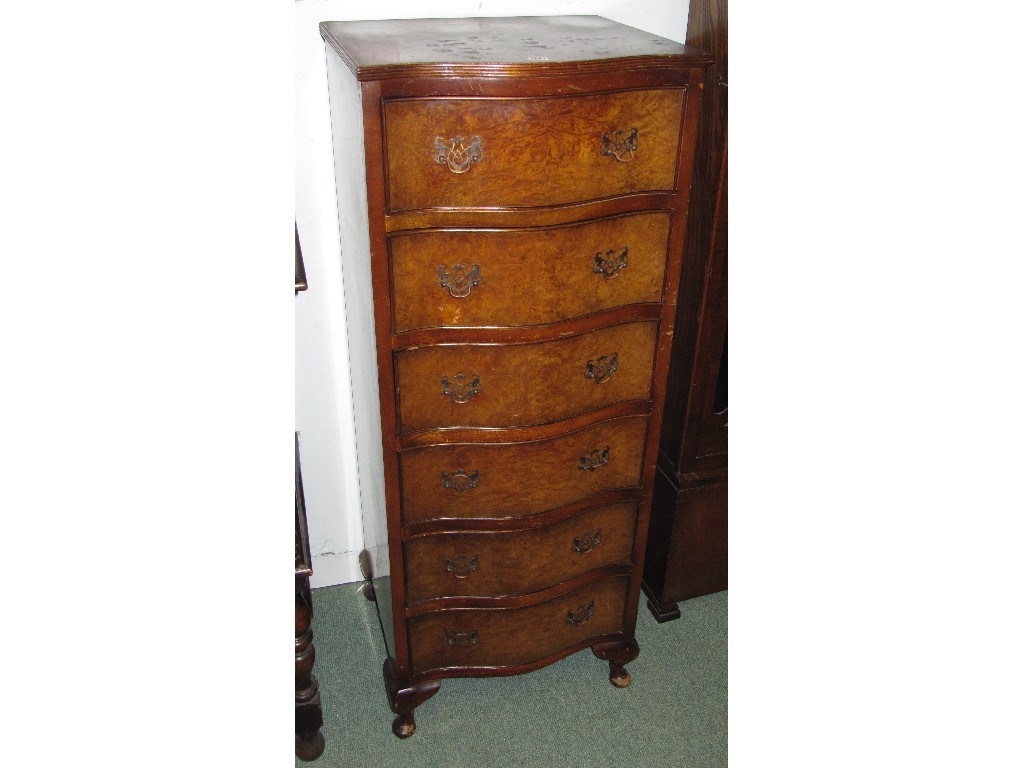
460, 387
460, 480
601, 370
620, 145
598, 457
458, 280
586, 543
609, 264
455, 154
461, 566
461, 639
581, 615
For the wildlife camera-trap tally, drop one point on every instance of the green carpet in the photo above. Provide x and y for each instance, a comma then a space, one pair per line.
566, 715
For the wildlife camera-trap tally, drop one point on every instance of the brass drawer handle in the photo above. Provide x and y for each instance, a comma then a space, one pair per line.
455, 154
460, 480
609, 264
461, 639
457, 280
598, 457
581, 615
620, 145
461, 566
460, 387
601, 370
586, 542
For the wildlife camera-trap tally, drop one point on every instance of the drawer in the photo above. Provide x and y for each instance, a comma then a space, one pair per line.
476, 278
505, 637
503, 480
506, 563
489, 152
493, 385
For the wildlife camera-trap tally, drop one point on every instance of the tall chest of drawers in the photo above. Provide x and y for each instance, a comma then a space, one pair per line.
512, 204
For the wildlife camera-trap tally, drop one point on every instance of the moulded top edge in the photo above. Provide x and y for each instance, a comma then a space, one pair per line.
500, 47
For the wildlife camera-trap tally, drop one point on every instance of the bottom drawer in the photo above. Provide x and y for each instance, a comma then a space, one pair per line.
506, 637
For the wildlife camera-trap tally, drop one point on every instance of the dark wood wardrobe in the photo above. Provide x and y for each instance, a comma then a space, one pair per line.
687, 549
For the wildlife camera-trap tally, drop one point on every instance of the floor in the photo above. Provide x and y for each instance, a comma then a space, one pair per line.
567, 715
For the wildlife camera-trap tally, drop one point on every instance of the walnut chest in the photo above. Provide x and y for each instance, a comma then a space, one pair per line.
512, 204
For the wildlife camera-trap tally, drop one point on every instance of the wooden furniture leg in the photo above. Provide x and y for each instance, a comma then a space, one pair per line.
618, 655
405, 699
309, 740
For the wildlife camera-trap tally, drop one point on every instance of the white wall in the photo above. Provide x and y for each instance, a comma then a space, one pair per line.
323, 402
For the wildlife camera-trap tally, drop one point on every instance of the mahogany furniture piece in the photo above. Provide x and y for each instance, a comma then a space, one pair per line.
309, 740
512, 199
687, 553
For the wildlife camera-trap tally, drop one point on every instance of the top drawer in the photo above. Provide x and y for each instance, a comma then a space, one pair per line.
491, 152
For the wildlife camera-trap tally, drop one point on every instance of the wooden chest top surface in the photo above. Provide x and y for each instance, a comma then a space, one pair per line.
514, 46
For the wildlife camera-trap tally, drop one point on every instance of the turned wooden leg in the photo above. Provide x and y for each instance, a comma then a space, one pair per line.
309, 746
405, 698
618, 655
309, 741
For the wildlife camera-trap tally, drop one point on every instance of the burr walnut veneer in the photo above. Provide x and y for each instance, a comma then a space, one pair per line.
512, 203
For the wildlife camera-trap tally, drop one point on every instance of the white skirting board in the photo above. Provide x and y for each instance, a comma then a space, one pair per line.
333, 568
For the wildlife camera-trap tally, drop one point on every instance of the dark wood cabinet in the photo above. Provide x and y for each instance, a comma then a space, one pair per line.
512, 199
688, 536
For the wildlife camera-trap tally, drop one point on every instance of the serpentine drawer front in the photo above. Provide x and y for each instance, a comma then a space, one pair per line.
519, 277
489, 385
481, 152
506, 637
480, 480
512, 196
509, 563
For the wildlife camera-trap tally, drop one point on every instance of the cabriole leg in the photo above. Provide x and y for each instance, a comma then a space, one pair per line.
618, 655
405, 698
